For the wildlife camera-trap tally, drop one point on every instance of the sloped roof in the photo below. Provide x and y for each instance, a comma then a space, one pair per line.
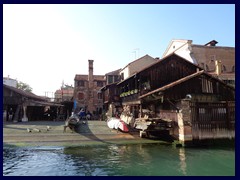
184, 41
116, 72
84, 77
135, 61
8, 78
42, 103
184, 80
108, 85
158, 62
81, 77
24, 93
64, 91
211, 43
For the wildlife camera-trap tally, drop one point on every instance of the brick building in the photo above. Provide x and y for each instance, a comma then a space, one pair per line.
87, 92
218, 61
64, 94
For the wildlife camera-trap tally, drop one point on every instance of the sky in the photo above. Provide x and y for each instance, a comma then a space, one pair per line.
47, 44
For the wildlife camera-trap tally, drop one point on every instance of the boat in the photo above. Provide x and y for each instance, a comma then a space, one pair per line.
72, 122
123, 126
115, 123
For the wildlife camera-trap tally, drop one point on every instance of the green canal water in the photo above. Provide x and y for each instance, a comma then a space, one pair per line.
118, 160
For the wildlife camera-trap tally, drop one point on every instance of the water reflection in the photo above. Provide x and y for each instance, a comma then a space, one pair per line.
117, 160
182, 157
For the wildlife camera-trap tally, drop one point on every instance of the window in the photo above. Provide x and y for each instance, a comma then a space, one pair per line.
81, 83
224, 69
233, 69
99, 84
80, 96
110, 79
207, 86
116, 78
122, 76
99, 95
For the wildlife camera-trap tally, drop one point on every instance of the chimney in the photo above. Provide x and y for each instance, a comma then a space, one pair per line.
90, 86
90, 73
211, 43
218, 67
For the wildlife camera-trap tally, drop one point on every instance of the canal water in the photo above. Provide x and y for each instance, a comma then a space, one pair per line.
118, 160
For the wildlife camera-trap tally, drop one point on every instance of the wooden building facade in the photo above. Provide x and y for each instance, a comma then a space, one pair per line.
25, 106
200, 105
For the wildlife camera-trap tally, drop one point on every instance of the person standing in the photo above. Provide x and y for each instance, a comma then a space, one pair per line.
88, 116
10, 114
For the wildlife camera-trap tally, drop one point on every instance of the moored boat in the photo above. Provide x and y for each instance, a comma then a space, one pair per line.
123, 126
115, 123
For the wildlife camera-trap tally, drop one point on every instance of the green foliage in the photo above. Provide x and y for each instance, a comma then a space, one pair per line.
24, 87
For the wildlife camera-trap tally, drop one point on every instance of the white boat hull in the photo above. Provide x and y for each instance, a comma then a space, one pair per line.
114, 123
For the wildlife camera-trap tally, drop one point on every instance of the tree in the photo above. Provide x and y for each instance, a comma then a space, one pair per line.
24, 86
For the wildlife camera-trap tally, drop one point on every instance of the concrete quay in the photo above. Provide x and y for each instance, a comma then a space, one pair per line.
50, 133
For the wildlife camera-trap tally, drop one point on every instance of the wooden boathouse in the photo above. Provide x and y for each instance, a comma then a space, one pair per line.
26, 106
200, 105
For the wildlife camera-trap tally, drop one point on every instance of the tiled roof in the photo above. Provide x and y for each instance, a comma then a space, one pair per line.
81, 77
24, 93
116, 72
85, 77
135, 61
64, 91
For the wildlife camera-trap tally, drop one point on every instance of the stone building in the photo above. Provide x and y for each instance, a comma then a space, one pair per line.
87, 92
218, 61
10, 82
64, 94
136, 65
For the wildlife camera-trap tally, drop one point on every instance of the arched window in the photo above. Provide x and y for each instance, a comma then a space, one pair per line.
80, 83
224, 69
207, 68
80, 96
233, 69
